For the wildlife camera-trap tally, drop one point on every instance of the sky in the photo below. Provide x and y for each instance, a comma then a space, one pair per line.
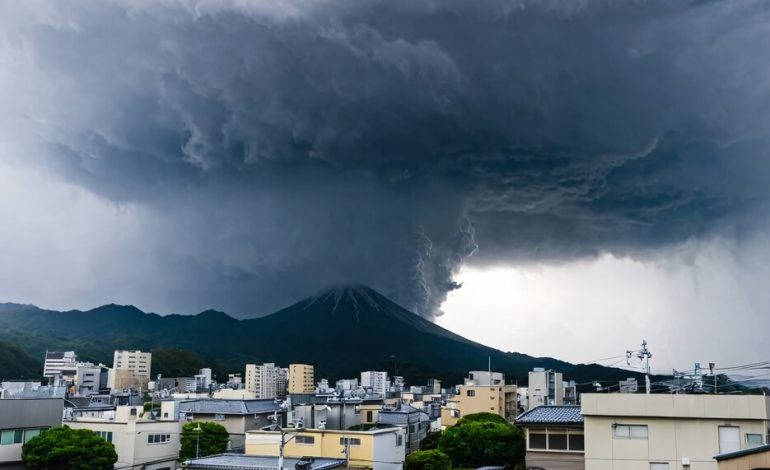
594, 170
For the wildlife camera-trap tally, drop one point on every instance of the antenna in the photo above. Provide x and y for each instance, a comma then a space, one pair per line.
642, 354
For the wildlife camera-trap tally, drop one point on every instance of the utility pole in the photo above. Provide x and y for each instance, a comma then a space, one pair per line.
642, 354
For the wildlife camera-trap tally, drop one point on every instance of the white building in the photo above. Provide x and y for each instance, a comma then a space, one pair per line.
203, 379
87, 378
262, 380
139, 443
60, 367
130, 369
545, 387
483, 377
375, 381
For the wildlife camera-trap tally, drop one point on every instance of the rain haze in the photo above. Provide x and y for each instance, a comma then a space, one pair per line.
553, 177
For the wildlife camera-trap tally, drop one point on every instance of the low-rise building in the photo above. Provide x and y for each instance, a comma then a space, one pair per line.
140, 443
378, 449
237, 416
554, 437
631, 431
414, 422
255, 462
756, 458
21, 420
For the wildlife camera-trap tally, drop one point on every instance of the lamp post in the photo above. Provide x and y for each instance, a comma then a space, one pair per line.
198, 441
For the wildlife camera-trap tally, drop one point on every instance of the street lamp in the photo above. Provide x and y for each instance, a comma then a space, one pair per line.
198, 441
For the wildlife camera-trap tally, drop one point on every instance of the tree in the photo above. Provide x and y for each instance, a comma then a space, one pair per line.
477, 441
62, 448
200, 439
427, 460
431, 441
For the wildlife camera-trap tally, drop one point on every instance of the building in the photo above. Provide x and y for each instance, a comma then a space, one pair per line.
130, 370
237, 416
261, 380
203, 379
475, 397
375, 381
301, 378
60, 367
756, 458
21, 420
554, 437
545, 387
670, 431
414, 422
255, 462
281, 382
140, 442
89, 378
378, 449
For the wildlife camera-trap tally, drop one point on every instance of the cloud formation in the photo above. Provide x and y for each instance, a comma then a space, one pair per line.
278, 146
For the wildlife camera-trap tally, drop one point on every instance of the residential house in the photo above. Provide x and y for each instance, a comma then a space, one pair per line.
237, 416
377, 449
140, 442
629, 431
22, 419
554, 437
415, 422
755, 458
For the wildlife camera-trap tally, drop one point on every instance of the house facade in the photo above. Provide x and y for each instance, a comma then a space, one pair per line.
555, 438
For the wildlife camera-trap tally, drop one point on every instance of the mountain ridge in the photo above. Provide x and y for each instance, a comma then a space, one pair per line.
343, 330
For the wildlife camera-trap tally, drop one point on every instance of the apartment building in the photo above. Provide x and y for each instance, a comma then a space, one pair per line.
262, 380
380, 449
545, 387
301, 378
140, 442
130, 370
60, 367
375, 381
626, 431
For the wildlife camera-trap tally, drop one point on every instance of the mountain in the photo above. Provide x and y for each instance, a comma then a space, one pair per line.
342, 331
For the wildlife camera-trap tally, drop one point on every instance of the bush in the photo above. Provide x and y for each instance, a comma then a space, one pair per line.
210, 440
427, 460
62, 448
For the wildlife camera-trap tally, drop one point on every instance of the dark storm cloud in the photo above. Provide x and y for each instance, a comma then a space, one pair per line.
287, 145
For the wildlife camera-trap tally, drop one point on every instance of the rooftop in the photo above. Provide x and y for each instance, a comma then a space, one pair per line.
741, 453
568, 414
234, 407
253, 462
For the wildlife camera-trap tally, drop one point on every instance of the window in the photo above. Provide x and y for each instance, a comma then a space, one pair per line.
30, 433
133, 411
11, 436
352, 441
754, 439
399, 440
630, 431
576, 442
729, 439
557, 441
305, 439
658, 466
470, 393
106, 435
158, 438
219, 417
165, 415
369, 417
538, 441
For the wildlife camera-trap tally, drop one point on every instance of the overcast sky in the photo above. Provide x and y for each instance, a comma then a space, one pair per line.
593, 171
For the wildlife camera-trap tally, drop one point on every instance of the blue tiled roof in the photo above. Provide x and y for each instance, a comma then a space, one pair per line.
568, 414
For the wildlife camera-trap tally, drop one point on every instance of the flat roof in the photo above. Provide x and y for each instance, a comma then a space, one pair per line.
257, 462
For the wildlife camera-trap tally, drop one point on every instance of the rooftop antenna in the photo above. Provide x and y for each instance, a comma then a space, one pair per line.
645, 355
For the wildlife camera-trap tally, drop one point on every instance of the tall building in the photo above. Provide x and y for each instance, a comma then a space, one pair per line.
262, 380
301, 378
60, 367
130, 369
281, 382
545, 387
376, 381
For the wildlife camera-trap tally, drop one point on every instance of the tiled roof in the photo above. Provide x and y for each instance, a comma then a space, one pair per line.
252, 462
237, 407
568, 414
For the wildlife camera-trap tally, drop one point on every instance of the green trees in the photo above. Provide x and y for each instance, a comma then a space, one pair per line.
201, 439
63, 448
477, 441
427, 460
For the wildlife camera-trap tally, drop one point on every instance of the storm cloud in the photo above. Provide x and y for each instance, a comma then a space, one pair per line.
274, 147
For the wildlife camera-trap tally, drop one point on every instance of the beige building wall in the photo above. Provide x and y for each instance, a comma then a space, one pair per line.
498, 399
672, 429
301, 378
137, 363
261, 380
382, 449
